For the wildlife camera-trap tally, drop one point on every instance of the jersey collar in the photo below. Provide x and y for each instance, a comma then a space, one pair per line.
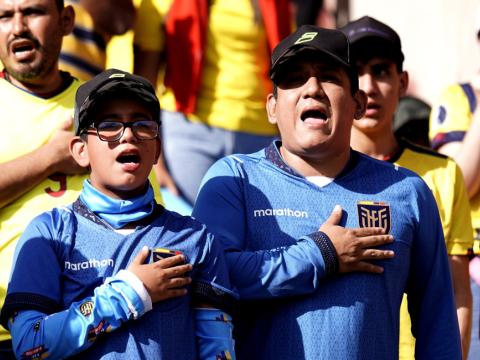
81, 209
272, 154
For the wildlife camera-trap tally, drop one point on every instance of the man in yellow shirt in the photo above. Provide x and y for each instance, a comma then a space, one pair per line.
36, 101
377, 50
85, 50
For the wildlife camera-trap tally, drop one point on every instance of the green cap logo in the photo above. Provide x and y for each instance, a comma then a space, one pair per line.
308, 36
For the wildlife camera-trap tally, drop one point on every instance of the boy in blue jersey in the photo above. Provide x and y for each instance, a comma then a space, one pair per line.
262, 204
83, 271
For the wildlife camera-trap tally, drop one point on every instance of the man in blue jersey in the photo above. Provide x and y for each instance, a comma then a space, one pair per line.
264, 204
85, 270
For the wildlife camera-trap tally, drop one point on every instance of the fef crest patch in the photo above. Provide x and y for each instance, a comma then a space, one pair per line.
374, 214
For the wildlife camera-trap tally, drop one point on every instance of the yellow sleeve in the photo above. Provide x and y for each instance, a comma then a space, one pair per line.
148, 32
451, 113
459, 237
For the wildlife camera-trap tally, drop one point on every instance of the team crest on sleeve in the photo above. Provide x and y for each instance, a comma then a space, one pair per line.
86, 308
374, 214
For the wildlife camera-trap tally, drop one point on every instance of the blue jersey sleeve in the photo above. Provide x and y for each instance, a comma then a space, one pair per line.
70, 331
212, 281
34, 312
430, 295
283, 271
214, 334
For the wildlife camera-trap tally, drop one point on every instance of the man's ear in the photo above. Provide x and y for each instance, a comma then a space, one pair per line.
271, 109
403, 83
360, 99
78, 149
158, 150
67, 18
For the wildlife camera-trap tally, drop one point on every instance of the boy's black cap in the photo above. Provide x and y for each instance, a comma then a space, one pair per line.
369, 29
108, 82
332, 43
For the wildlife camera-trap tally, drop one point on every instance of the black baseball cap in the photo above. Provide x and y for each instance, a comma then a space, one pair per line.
366, 32
110, 82
330, 42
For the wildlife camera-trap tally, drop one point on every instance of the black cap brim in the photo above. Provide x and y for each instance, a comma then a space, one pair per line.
294, 51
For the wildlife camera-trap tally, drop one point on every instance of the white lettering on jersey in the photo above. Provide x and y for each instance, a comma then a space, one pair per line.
92, 263
280, 212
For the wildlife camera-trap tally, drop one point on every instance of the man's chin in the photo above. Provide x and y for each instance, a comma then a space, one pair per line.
24, 71
24, 76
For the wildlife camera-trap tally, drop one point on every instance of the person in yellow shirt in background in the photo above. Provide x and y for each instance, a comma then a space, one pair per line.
215, 57
454, 131
37, 171
377, 50
86, 50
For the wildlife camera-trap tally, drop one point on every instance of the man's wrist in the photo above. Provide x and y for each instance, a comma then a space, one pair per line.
328, 251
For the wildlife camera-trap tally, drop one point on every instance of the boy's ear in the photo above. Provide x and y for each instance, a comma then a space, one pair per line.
158, 150
78, 149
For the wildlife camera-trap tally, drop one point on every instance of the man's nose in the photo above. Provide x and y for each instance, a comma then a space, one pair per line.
313, 87
19, 24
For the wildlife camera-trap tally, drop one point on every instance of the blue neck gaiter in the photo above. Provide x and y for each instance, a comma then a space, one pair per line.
117, 212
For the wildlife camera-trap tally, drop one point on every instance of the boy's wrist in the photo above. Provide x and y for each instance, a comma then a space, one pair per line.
137, 285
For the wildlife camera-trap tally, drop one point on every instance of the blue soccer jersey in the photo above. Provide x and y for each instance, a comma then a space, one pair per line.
295, 305
64, 260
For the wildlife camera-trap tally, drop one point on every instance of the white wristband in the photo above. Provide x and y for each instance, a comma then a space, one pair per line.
137, 285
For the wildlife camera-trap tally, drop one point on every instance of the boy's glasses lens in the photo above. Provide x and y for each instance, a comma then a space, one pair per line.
113, 130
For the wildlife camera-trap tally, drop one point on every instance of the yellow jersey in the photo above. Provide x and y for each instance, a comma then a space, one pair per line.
83, 52
445, 180
450, 119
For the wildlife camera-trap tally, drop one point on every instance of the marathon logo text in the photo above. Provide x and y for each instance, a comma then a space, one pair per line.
92, 263
280, 212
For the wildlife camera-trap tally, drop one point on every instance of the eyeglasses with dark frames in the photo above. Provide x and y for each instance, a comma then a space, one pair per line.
111, 131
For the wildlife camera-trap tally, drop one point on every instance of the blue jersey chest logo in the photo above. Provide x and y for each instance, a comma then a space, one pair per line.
374, 214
